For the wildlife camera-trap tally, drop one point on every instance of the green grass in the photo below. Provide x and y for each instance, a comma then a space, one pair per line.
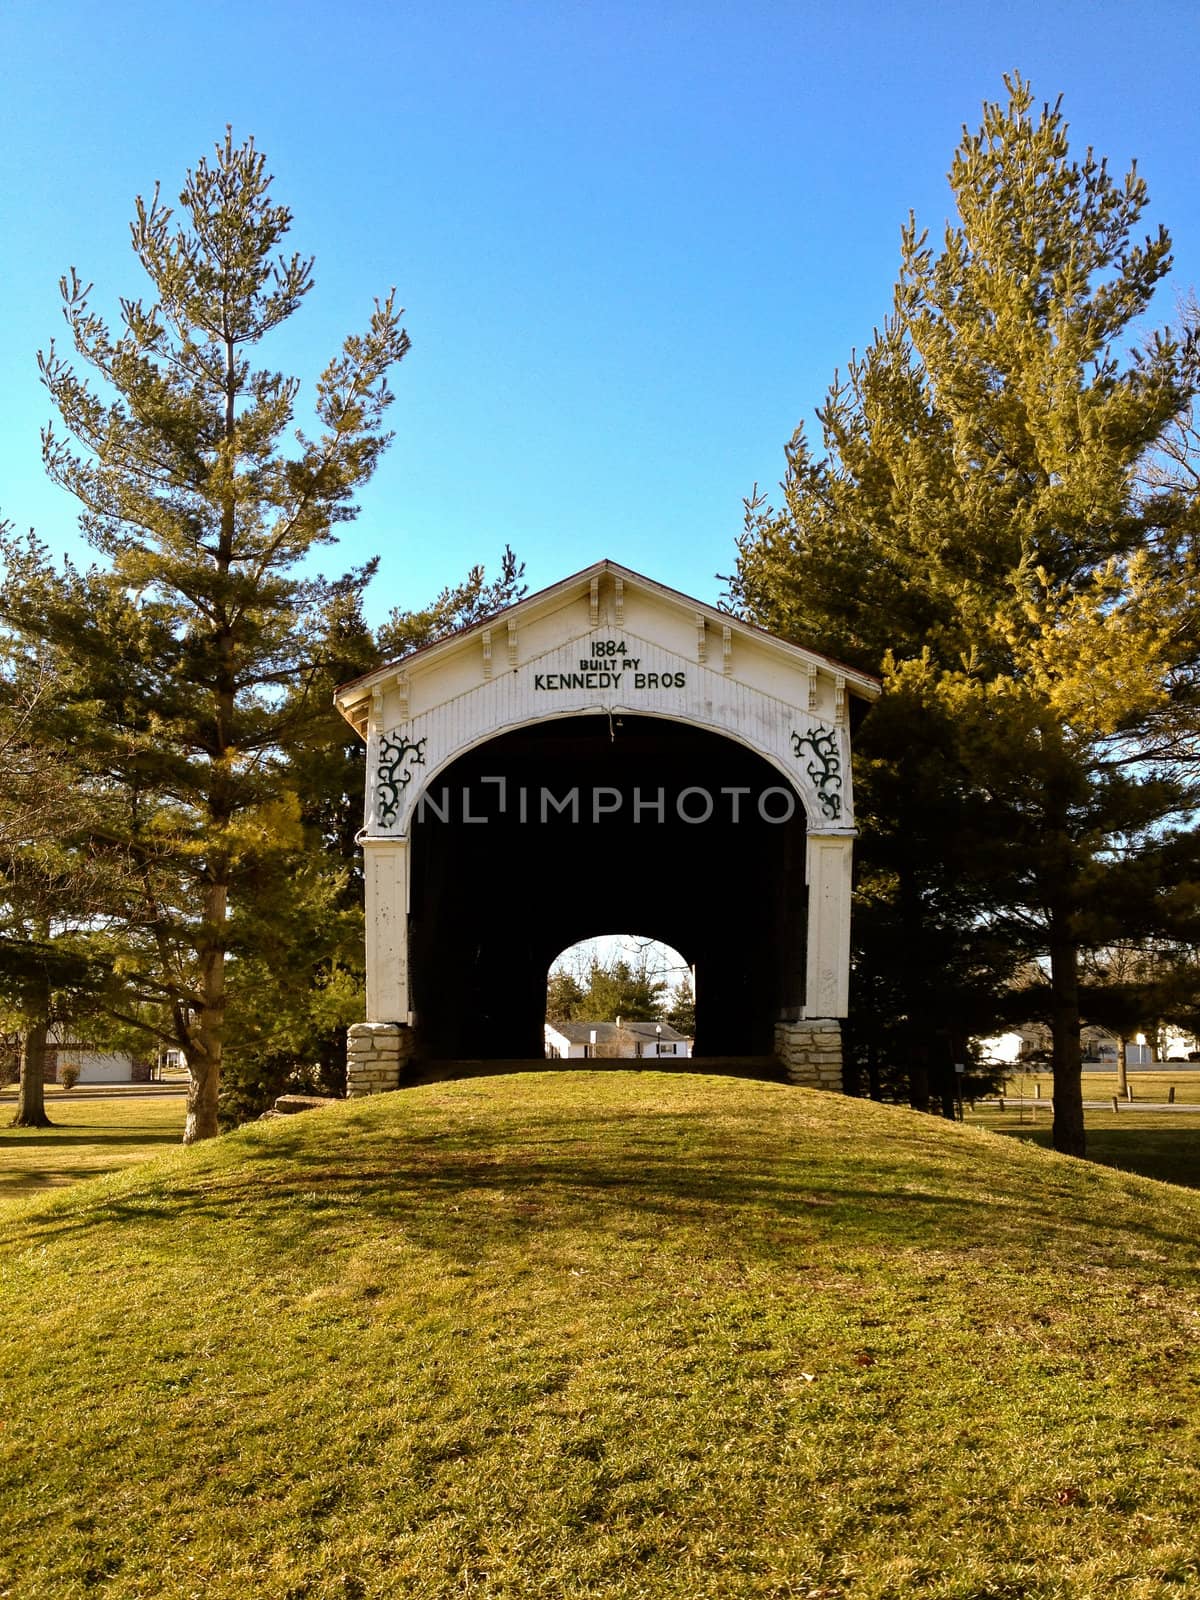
1146, 1085
89, 1137
595, 1335
1157, 1144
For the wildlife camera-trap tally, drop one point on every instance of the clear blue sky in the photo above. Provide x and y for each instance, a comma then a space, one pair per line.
634, 239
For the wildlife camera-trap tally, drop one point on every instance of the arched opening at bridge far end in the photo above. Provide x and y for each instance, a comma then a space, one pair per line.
620, 996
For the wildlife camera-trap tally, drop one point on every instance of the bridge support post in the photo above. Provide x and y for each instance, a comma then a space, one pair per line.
376, 1055
826, 989
810, 1052
809, 1047
385, 870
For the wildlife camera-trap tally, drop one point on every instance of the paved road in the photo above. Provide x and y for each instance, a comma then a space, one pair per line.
103, 1091
1090, 1105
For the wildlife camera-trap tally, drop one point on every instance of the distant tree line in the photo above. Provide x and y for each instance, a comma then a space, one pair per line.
607, 989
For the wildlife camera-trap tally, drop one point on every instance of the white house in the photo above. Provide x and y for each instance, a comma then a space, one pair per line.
1019, 1046
92, 1065
622, 1040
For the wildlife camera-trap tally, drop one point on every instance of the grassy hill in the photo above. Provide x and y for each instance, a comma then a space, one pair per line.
596, 1335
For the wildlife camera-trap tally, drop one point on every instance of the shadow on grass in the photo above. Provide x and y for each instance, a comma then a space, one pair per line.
1172, 1155
83, 1134
21, 1185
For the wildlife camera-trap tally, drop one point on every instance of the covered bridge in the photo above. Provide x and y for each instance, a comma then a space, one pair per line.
606, 755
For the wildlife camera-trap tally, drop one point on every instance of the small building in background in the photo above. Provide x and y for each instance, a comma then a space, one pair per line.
1029, 1046
619, 1040
94, 1065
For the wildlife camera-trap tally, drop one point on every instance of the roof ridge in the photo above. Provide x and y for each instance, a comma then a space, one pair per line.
605, 565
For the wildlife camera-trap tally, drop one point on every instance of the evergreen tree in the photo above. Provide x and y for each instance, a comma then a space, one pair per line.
298, 977
565, 999
682, 1013
976, 530
928, 973
459, 605
193, 652
621, 988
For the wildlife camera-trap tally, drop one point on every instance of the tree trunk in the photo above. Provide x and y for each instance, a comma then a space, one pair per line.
31, 1097
204, 1080
207, 1036
1122, 1065
1066, 1053
918, 1077
949, 1051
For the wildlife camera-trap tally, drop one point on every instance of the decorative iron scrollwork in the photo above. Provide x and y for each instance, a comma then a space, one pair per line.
825, 769
397, 757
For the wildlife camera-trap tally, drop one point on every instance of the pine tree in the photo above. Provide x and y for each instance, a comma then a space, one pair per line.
459, 605
621, 988
192, 651
682, 1012
565, 999
976, 530
928, 972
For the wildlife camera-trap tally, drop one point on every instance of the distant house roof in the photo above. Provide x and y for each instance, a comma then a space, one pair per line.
613, 1033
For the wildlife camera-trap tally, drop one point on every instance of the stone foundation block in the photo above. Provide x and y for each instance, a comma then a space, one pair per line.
811, 1052
376, 1055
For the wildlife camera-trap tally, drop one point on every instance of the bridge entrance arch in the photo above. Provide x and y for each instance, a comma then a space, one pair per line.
584, 824
606, 751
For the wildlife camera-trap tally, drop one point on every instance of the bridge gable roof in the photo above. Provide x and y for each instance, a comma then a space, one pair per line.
608, 600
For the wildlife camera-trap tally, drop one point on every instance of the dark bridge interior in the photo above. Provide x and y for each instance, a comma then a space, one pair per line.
497, 892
